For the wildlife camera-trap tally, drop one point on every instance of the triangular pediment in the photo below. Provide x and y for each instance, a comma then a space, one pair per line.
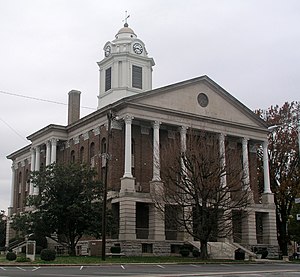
184, 98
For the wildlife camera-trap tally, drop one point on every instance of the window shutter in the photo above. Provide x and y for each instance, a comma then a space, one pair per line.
108, 79
137, 77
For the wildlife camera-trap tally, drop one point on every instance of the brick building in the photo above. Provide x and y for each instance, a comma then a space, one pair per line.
142, 120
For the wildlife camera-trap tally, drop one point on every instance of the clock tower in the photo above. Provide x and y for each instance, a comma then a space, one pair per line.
125, 69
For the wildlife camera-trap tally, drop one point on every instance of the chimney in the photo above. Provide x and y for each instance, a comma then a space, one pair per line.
73, 106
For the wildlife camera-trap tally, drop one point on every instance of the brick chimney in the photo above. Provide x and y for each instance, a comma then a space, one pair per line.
74, 106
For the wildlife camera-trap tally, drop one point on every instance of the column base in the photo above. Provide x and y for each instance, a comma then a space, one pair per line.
127, 184
267, 198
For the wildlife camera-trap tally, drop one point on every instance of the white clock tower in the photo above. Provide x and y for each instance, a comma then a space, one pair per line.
126, 68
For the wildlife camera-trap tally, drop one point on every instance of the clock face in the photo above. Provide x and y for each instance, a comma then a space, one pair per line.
137, 48
107, 50
202, 100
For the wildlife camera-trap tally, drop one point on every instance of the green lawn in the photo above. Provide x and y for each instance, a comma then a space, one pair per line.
97, 260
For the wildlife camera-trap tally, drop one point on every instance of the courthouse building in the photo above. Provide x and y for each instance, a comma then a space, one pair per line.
141, 119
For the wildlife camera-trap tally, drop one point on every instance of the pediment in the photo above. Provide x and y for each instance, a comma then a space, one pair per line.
184, 98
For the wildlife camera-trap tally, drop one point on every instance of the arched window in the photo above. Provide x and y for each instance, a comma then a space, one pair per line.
72, 156
81, 154
103, 152
92, 150
103, 145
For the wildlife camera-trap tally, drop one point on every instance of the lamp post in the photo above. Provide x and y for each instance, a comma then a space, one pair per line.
110, 117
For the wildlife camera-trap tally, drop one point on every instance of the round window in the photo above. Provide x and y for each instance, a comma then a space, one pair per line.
202, 100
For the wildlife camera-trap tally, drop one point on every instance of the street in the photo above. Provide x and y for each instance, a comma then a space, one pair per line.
156, 270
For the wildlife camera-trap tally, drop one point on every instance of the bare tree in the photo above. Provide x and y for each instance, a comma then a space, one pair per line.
284, 164
202, 187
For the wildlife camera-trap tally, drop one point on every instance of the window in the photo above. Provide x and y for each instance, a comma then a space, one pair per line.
81, 154
92, 149
108, 79
147, 248
72, 156
137, 77
103, 152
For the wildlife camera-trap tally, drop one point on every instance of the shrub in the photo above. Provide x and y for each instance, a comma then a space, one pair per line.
264, 253
11, 256
48, 255
185, 252
196, 253
38, 249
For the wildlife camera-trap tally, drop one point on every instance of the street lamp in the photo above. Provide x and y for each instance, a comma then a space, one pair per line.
110, 117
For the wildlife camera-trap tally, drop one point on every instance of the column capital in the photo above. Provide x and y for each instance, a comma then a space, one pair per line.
128, 119
156, 124
14, 166
54, 141
183, 129
222, 135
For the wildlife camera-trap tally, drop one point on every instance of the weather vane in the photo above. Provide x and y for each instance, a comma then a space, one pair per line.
125, 19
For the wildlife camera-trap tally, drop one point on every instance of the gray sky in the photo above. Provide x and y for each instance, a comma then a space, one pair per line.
49, 47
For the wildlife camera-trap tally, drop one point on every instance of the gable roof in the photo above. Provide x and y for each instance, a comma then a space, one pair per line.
182, 97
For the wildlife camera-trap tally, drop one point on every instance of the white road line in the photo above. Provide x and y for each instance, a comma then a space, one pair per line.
36, 268
81, 267
21, 268
160, 266
2, 268
122, 266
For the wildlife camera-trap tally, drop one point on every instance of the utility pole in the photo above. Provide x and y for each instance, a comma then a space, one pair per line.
110, 117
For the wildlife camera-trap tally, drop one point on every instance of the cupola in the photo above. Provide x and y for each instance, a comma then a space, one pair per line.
125, 69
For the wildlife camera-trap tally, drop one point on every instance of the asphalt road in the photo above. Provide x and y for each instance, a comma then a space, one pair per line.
156, 270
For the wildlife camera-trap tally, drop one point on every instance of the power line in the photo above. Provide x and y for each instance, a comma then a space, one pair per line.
15, 131
40, 99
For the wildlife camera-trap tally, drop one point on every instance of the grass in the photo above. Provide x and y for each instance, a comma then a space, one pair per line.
80, 260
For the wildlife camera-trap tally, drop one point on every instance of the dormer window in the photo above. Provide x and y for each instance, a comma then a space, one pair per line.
137, 77
108, 79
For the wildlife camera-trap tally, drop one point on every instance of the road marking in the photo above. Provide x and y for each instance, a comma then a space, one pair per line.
81, 267
36, 268
2, 268
122, 266
160, 266
226, 265
21, 268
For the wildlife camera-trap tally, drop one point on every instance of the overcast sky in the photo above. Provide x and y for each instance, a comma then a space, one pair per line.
49, 47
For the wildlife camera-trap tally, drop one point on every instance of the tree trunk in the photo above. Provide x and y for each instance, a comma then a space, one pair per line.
72, 248
283, 238
203, 250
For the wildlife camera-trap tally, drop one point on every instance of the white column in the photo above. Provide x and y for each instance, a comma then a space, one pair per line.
48, 153
156, 154
53, 150
37, 166
183, 130
246, 162
32, 168
128, 150
267, 188
222, 159
12, 192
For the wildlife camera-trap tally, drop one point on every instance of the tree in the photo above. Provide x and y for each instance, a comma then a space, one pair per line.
68, 204
2, 229
284, 163
202, 189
